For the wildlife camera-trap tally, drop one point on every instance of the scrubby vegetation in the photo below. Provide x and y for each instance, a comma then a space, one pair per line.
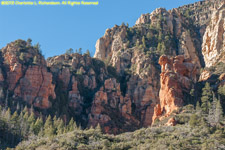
24, 125
193, 131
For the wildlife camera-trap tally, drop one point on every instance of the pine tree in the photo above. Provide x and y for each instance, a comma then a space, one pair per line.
38, 126
98, 128
198, 108
80, 50
60, 127
219, 112
6, 99
88, 52
25, 123
159, 47
55, 124
25, 110
31, 118
160, 37
48, 129
22, 125
15, 118
29, 41
163, 48
14, 127
71, 126
212, 109
206, 97
26, 115
14, 123
143, 42
31, 129
69, 51
8, 115
221, 91
38, 47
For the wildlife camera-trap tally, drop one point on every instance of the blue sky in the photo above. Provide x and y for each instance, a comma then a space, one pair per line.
58, 28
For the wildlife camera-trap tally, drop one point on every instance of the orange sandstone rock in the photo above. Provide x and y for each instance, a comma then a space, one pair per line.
171, 122
177, 75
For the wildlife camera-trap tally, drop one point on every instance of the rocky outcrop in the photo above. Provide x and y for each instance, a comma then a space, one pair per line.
78, 78
200, 12
213, 48
171, 122
35, 87
106, 102
205, 75
75, 99
110, 42
177, 75
222, 77
27, 77
124, 49
112, 110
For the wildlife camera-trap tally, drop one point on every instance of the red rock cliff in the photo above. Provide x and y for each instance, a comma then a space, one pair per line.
177, 75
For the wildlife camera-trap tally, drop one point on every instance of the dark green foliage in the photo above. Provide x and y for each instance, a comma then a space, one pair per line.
69, 51
22, 56
112, 72
38, 48
123, 81
80, 51
29, 42
143, 42
71, 126
193, 120
14, 128
38, 126
206, 97
187, 13
48, 127
178, 137
60, 105
221, 91
88, 52
97, 65
218, 112
161, 48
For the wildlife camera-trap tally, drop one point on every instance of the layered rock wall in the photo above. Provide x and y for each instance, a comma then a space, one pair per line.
213, 46
177, 75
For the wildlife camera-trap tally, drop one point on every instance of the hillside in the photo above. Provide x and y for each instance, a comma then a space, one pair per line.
191, 132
